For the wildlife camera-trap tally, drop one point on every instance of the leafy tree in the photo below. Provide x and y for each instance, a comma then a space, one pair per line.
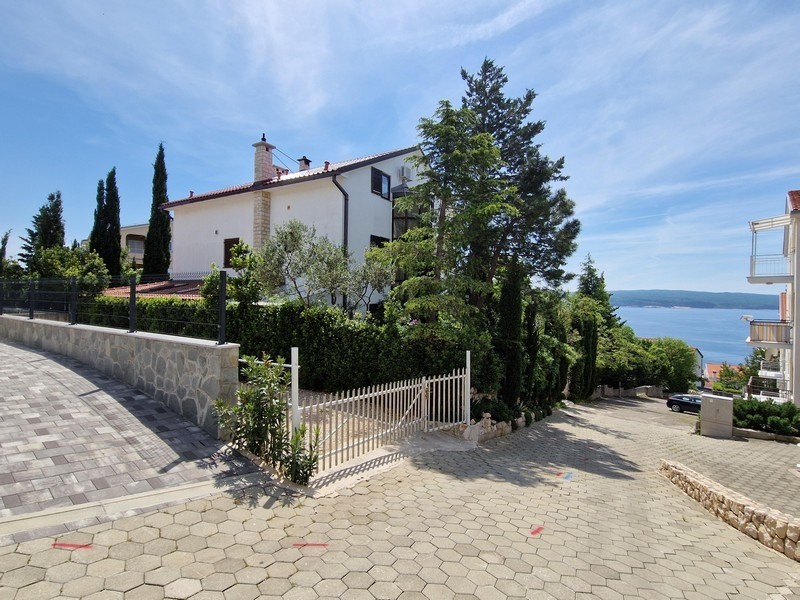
9, 269
47, 230
537, 224
307, 266
373, 275
674, 364
105, 236
156, 245
622, 359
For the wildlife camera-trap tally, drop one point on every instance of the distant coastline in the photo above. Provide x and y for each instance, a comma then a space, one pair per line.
682, 299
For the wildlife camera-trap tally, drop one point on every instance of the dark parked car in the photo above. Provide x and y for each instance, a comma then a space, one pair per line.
684, 402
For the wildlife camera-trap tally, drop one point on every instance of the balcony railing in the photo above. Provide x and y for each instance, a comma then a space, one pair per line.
778, 333
770, 267
772, 369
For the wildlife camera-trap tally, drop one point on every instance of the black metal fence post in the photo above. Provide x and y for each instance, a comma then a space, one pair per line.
30, 299
73, 301
223, 301
132, 306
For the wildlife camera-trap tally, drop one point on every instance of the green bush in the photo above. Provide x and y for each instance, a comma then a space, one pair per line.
767, 416
538, 414
528, 417
257, 422
499, 410
336, 352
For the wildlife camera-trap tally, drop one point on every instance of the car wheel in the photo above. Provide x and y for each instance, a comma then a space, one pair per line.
676, 408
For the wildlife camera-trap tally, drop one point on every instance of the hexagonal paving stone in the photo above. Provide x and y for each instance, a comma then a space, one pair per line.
218, 582
22, 576
162, 576
106, 567
180, 589
124, 582
145, 592
143, 563
41, 590
82, 587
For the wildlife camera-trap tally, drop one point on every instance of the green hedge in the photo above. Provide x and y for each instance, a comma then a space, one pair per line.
767, 416
336, 352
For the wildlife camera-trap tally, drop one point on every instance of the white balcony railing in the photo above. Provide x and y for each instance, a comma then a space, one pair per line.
777, 333
772, 369
769, 264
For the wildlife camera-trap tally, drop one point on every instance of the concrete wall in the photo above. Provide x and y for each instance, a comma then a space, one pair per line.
185, 374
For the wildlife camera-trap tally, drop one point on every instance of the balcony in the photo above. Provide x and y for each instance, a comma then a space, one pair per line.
770, 334
770, 268
772, 369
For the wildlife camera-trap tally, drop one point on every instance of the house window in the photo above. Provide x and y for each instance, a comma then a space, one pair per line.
381, 183
403, 220
376, 240
229, 244
135, 244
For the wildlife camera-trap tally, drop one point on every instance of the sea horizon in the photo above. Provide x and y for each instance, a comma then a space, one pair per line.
719, 333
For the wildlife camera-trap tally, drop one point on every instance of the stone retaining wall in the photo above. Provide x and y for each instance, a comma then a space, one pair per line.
185, 374
770, 527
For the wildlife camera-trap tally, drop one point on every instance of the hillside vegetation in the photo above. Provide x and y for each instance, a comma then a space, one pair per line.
670, 298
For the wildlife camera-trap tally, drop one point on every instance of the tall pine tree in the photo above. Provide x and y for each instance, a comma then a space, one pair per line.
540, 229
156, 245
47, 230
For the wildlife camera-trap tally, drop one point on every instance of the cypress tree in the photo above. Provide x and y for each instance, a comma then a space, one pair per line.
105, 236
156, 245
114, 244
509, 342
96, 237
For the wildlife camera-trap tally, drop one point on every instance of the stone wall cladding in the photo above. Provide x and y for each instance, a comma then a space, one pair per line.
185, 374
772, 528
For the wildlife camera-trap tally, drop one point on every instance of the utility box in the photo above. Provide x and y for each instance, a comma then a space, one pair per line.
716, 416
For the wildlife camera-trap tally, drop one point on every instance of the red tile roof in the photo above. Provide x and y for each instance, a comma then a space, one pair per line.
298, 177
794, 199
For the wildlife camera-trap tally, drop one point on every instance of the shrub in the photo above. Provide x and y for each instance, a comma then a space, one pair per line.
766, 416
499, 410
257, 422
528, 417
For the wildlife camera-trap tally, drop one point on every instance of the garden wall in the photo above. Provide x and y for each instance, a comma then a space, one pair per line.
773, 529
185, 374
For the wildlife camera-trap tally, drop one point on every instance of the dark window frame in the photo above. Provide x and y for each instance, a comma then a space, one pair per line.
381, 184
227, 247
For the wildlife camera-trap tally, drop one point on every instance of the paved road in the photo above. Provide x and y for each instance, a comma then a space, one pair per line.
570, 508
70, 435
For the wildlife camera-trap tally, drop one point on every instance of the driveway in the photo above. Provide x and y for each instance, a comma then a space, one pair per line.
571, 507
69, 436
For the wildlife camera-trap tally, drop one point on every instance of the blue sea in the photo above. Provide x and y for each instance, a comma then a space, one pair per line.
719, 333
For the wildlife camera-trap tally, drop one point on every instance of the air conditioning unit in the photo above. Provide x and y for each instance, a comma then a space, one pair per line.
405, 173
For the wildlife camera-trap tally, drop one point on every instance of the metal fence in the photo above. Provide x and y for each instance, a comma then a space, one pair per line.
77, 300
358, 421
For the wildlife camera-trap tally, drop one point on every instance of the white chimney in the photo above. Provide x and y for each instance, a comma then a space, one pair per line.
305, 163
263, 167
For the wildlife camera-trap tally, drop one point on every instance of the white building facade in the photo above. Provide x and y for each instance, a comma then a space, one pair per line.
350, 203
775, 260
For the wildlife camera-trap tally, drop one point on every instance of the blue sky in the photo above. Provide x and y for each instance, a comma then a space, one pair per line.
678, 120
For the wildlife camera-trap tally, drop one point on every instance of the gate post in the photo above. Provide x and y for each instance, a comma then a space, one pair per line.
295, 389
423, 396
467, 387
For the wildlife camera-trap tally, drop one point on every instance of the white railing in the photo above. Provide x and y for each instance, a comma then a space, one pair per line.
359, 421
769, 265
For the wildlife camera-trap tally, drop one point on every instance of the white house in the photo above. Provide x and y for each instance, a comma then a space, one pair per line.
775, 259
349, 202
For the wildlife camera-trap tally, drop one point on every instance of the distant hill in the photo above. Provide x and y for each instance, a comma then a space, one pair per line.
690, 299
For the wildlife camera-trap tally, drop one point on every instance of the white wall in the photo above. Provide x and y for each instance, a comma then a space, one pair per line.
200, 229
317, 203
